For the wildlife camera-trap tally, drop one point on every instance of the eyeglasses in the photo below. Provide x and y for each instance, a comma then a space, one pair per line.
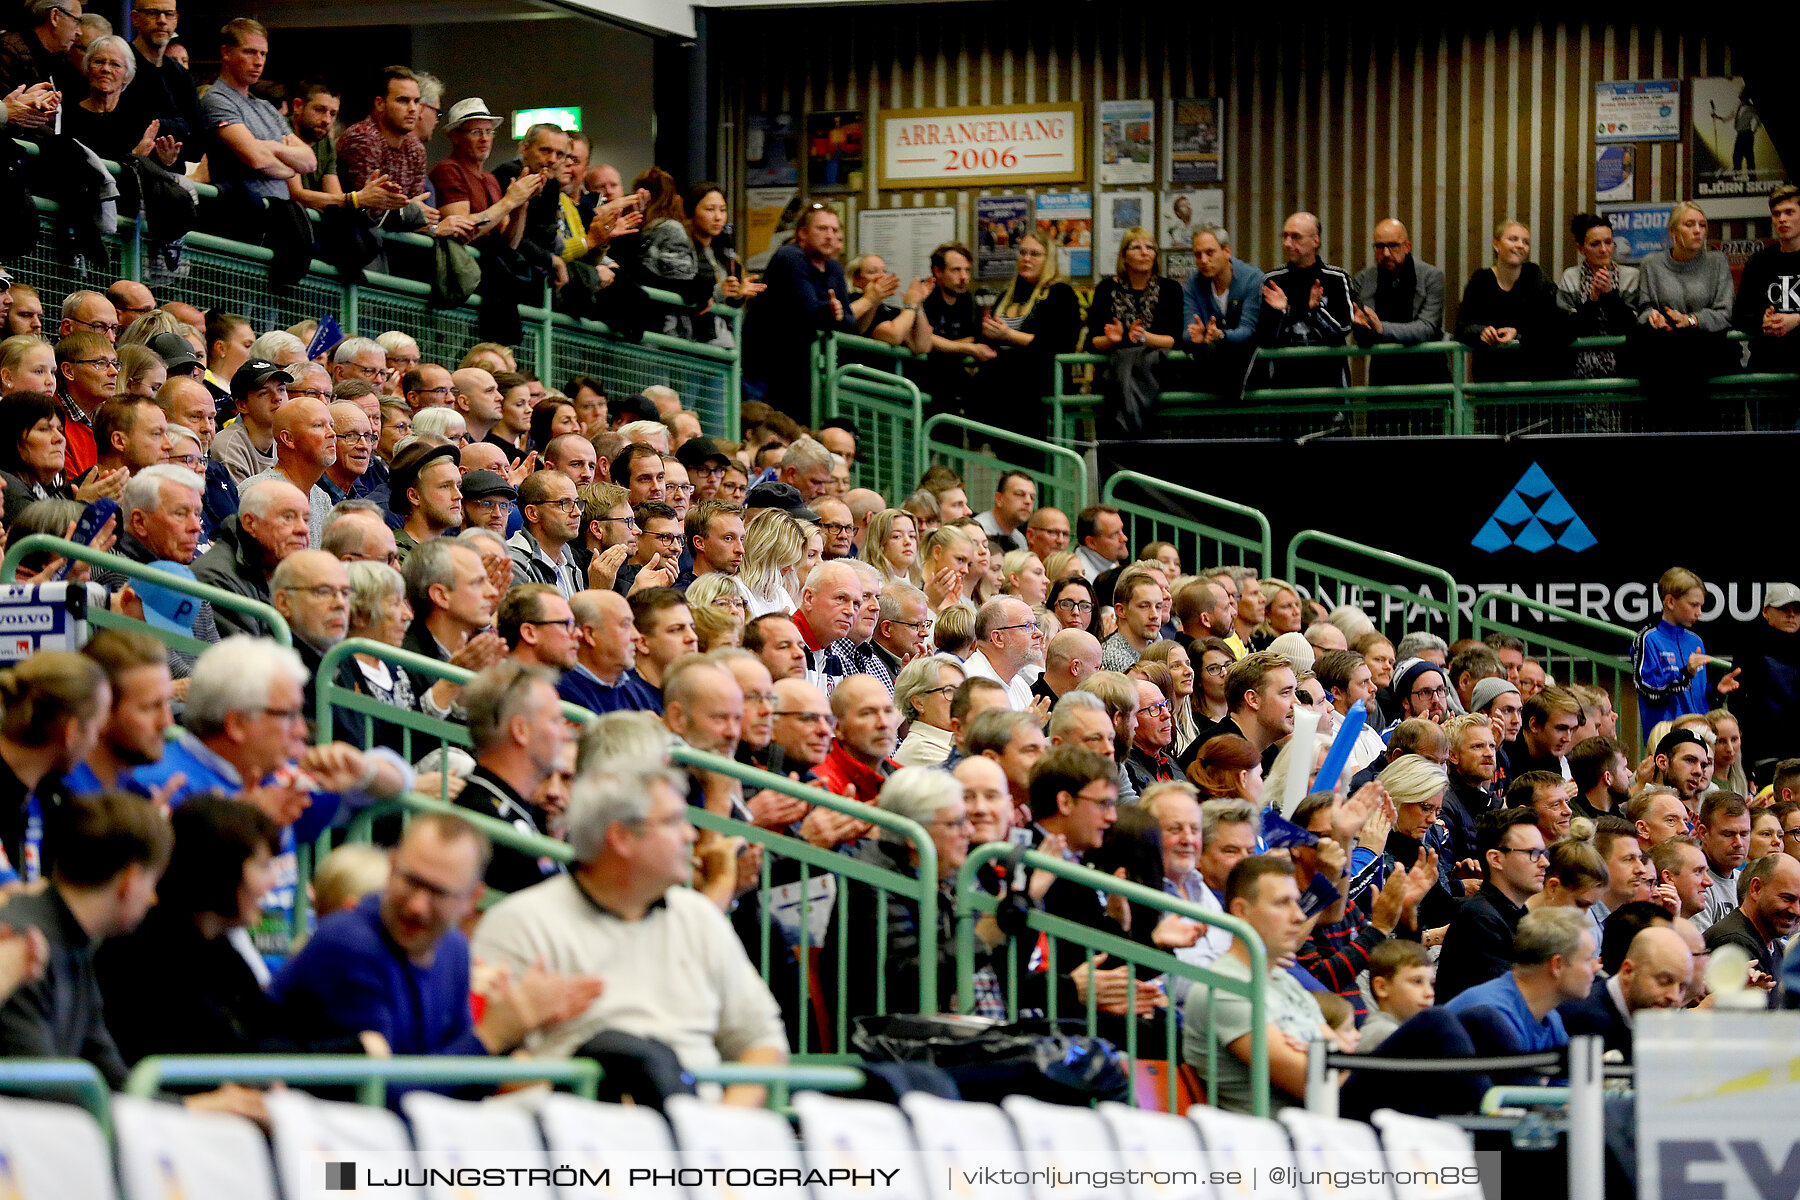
679, 489
1534, 853
105, 364
363, 439
322, 591
667, 539
315, 393
155, 14
430, 889
1389, 245
284, 714
192, 462
436, 391
486, 505
1216, 670
105, 327
630, 522
1150, 709
391, 558
834, 528
759, 698
961, 822
1436, 693
571, 504
948, 687
1103, 801
810, 718
568, 624
1004, 628
912, 624
1079, 606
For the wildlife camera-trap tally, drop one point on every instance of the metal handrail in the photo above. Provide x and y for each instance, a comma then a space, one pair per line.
37, 1076
1486, 600
972, 900
217, 597
1450, 606
371, 1075
1061, 454
1266, 541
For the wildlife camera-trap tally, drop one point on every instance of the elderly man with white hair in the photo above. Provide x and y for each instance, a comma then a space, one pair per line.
359, 358
272, 522
806, 467
402, 354
674, 971
244, 730
160, 522
279, 347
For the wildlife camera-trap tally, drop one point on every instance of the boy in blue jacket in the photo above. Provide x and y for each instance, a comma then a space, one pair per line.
1669, 659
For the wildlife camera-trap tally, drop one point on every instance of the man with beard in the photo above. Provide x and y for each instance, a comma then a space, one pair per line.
1602, 777
1306, 302
487, 499
1471, 764
426, 493
1398, 301
1681, 764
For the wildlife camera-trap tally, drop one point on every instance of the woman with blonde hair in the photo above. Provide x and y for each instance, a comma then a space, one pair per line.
1281, 613
1728, 752
1060, 565
715, 589
1577, 873
141, 372
156, 321
717, 627
1022, 575
774, 545
27, 364
1509, 313
892, 545
1036, 317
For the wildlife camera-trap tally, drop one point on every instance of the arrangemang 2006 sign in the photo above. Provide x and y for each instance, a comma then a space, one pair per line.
972, 147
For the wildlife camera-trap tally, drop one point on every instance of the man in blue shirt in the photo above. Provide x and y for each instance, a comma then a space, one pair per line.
398, 963
602, 679
1554, 962
803, 292
1669, 659
1221, 303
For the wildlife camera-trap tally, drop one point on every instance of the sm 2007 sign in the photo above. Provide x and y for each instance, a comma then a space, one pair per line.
974, 147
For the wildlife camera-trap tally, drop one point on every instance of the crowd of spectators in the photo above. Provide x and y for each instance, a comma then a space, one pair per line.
1017, 675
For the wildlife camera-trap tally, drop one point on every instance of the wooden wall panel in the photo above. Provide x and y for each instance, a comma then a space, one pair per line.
1448, 122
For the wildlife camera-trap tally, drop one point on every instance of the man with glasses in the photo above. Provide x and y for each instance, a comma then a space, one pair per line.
552, 517
359, 358
87, 368
655, 561
1398, 301
488, 501
311, 590
356, 532
538, 627
348, 977
705, 461
36, 54
606, 641
902, 625
1047, 532
1478, 942
803, 729
1148, 761
162, 89
678, 493
836, 528
349, 475
1003, 640
429, 385
466, 188
130, 300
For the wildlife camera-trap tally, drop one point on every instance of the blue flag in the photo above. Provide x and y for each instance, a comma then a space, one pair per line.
328, 334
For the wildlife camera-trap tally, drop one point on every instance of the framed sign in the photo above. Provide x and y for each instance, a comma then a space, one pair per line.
983, 146
1637, 110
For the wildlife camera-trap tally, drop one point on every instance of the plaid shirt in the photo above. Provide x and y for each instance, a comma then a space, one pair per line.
859, 658
362, 152
1336, 954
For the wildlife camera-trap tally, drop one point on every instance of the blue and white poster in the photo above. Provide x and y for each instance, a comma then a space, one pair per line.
1615, 172
1000, 221
1639, 230
1066, 219
1637, 110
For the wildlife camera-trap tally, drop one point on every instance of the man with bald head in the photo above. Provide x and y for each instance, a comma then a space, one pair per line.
863, 504
130, 301
836, 527
868, 729
477, 398
483, 456
1399, 301
348, 476
305, 445
1657, 972
1203, 609
606, 648
354, 534
829, 600
311, 589
803, 727
1071, 657
1003, 631
703, 706
1306, 302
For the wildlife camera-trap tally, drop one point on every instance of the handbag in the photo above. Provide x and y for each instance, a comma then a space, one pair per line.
1073, 1067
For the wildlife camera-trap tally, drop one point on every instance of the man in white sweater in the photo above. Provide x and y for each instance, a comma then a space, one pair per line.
674, 970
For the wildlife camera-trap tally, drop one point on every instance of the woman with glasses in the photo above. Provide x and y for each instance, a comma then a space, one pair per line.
1788, 813
892, 544
379, 612
99, 122
1072, 600
774, 545
1035, 318
923, 693
1215, 663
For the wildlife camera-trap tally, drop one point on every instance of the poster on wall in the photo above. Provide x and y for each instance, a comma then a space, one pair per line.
1066, 219
1178, 264
769, 217
905, 237
1127, 141
982, 146
1733, 163
834, 151
1194, 141
1637, 110
1639, 230
1000, 221
1737, 252
1119, 212
1615, 172
771, 151
1181, 213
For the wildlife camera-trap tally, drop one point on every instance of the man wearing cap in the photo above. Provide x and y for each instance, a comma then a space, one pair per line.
782, 496
271, 523
487, 500
426, 493
1420, 686
1767, 702
466, 188
305, 444
159, 523
552, 515
705, 461
177, 354
1500, 702
247, 445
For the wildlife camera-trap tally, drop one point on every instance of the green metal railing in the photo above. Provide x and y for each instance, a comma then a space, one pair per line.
1351, 584
43, 543
58, 1078
807, 861
218, 273
1172, 513
370, 1075
831, 350
1565, 659
973, 901
1061, 474
889, 412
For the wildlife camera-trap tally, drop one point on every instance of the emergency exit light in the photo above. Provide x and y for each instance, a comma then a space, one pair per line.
565, 118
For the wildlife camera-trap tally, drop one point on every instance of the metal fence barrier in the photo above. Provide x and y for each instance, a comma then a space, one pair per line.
1060, 473
59, 1078
889, 413
1168, 512
1334, 585
1564, 658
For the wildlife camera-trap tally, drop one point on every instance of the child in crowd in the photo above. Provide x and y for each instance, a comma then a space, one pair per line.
1401, 981
1340, 1014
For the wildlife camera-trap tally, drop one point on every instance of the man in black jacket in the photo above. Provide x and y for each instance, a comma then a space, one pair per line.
272, 522
1767, 702
1763, 919
1478, 943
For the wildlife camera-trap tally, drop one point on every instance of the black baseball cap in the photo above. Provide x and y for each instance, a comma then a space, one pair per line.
698, 451
477, 485
254, 374
780, 495
176, 352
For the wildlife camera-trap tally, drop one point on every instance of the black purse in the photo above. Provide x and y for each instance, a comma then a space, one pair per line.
1040, 1058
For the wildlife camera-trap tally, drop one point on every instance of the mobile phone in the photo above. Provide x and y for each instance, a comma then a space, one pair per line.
93, 518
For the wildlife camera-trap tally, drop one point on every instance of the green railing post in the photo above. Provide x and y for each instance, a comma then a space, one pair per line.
1559, 653
1451, 606
1462, 421
1064, 475
1263, 544
352, 315
370, 1075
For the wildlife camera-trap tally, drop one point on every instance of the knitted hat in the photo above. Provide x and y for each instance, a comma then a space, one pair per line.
1408, 672
1487, 691
1296, 649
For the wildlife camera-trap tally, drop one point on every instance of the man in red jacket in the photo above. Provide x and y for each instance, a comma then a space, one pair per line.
868, 727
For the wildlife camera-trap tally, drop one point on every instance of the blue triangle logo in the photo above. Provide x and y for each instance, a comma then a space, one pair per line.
1534, 516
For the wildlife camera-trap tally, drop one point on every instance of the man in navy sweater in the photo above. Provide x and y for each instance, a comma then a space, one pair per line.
803, 292
398, 963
